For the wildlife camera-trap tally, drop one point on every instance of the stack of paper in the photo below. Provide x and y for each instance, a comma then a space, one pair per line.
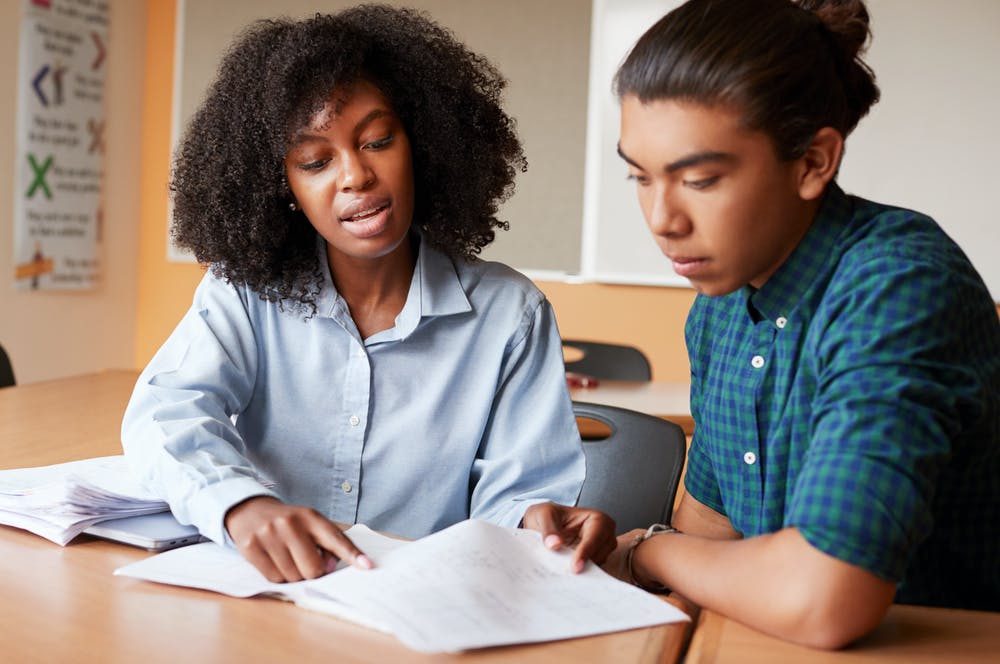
59, 502
472, 585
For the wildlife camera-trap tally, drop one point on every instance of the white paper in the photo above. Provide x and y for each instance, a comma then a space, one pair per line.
60, 501
475, 585
210, 566
469, 586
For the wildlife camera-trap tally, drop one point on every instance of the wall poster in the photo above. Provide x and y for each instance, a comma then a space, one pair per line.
58, 203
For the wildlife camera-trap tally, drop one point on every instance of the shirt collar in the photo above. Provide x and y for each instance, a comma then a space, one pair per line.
435, 290
815, 253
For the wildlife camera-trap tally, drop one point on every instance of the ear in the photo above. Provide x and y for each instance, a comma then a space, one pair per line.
819, 164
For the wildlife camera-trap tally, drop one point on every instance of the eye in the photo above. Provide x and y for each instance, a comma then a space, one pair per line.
378, 144
704, 183
640, 180
314, 165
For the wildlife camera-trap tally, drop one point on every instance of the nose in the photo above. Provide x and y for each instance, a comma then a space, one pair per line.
355, 173
665, 214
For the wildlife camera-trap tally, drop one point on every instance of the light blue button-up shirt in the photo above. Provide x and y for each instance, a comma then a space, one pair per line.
460, 410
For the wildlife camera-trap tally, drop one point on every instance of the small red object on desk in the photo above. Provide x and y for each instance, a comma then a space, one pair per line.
580, 380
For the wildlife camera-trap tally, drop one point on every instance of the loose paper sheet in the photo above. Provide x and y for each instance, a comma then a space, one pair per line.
469, 586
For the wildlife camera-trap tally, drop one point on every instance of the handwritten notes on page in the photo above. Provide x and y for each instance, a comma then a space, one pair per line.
472, 585
476, 584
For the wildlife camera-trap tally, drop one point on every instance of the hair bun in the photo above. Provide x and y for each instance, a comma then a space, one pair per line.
847, 21
848, 24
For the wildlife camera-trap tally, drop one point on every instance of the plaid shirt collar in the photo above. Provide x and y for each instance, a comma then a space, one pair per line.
815, 254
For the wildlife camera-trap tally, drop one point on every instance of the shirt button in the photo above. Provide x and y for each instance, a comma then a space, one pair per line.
346, 486
781, 322
355, 420
749, 458
757, 361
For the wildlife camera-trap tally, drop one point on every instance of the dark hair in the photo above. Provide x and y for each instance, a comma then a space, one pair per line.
790, 68
229, 192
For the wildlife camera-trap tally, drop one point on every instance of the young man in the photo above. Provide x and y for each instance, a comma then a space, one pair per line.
845, 356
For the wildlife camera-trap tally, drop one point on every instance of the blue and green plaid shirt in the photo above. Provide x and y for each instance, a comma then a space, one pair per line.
856, 397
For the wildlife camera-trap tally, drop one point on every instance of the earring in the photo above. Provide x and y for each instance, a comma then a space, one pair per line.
292, 206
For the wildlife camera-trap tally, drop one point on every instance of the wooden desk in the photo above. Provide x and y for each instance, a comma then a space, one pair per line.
62, 604
671, 401
909, 634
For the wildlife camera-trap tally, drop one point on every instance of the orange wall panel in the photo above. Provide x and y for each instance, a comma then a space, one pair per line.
164, 288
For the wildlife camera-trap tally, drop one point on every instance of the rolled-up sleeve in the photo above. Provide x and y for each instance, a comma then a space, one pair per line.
178, 432
890, 400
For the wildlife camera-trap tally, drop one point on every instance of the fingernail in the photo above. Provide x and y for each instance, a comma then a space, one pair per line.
553, 541
364, 562
577, 566
331, 564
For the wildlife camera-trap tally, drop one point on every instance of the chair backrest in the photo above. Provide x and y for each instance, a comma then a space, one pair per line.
6, 370
633, 474
608, 361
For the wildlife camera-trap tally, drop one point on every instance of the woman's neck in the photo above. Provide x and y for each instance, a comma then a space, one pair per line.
375, 290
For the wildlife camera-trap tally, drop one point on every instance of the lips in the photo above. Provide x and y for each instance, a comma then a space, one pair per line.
687, 266
361, 209
366, 217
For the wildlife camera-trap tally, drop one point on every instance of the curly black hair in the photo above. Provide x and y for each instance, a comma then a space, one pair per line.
230, 197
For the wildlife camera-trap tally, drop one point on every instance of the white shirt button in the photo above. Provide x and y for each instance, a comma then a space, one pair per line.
750, 458
346, 486
355, 420
757, 361
781, 322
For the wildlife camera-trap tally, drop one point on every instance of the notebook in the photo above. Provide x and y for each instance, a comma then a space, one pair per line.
155, 532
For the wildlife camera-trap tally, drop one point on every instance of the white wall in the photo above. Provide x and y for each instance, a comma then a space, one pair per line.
53, 334
931, 143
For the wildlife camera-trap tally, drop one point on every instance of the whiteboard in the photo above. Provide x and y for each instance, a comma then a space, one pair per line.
616, 246
929, 145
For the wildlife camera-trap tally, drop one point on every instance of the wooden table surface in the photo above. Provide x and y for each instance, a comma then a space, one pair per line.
908, 635
671, 401
62, 604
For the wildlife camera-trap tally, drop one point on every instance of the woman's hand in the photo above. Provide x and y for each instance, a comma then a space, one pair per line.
590, 531
289, 542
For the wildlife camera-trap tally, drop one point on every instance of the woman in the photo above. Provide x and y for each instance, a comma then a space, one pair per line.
347, 358
845, 356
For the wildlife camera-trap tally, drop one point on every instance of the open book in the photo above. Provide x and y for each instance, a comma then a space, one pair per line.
472, 585
60, 501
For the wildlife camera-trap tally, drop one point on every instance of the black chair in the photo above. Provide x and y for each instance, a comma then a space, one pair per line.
6, 370
608, 361
633, 474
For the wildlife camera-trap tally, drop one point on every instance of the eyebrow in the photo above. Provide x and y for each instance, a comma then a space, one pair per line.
706, 156
303, 136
